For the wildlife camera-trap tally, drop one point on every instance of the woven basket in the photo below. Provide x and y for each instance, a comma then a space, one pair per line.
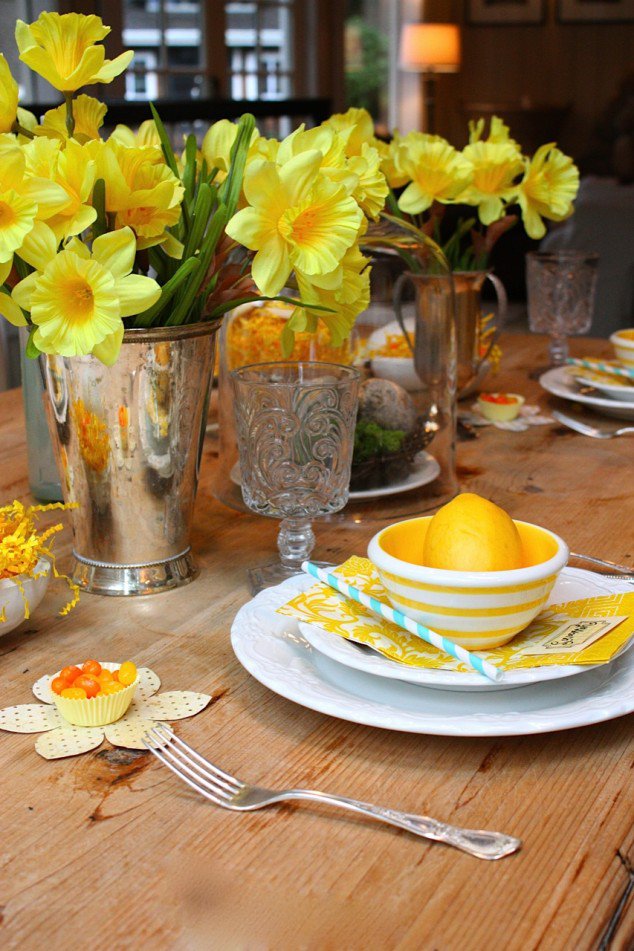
384, 469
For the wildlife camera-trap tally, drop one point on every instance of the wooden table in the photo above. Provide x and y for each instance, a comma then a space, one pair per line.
109, 847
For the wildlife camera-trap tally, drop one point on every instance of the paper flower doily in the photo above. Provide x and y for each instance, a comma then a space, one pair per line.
528, 416
60, 738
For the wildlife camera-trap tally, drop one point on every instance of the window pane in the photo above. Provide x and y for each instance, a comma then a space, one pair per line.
259, 39
167, 37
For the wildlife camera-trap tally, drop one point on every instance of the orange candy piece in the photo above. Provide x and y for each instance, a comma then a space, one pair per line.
70, 673
91, 667
110, 687
58, 684
74, 693
127, 673
89, 684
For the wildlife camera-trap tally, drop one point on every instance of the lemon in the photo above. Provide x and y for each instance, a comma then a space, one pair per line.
472, 534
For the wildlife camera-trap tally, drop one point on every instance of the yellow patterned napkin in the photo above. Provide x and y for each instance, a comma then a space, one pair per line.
326, 608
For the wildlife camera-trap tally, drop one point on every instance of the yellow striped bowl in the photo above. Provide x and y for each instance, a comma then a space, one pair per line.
476, 609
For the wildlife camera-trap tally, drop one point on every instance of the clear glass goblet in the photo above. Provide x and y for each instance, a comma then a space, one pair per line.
295, 426
561, 288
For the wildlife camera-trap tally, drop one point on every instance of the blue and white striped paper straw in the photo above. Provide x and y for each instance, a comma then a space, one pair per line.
602, 367
470, 658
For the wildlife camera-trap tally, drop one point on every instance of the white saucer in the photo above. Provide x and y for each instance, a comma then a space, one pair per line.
572, 584
271, 648
558, 382
424, 470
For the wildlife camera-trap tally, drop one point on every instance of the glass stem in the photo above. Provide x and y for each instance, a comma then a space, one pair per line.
295, 541
558, 350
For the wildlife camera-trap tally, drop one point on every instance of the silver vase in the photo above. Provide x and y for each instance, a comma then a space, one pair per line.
128, 440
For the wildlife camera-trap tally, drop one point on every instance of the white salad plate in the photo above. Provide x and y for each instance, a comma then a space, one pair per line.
614, 391
559, 382
425, 469
572, 585
272, 649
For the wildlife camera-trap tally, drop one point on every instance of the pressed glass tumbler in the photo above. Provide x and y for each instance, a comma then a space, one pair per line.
295, 427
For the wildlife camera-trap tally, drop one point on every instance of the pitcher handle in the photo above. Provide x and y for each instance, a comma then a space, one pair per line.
397, 294
502, 302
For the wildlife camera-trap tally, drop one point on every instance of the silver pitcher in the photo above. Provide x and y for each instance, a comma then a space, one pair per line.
128, 441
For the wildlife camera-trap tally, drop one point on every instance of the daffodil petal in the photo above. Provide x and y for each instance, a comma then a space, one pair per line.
11, 312
116, 251
136, 293
5, 270
23, 291
251, 227
271, 267
114, 67
414, 200
108, 350
39, 247
298, 175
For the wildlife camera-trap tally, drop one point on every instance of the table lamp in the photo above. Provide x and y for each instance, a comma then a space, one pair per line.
430, 48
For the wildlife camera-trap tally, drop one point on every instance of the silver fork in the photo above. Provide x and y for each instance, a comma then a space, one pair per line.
225, 790
586, 430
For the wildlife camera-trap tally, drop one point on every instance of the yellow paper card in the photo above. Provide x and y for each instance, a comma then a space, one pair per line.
326, 608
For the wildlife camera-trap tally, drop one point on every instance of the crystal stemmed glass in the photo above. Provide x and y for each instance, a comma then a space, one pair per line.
561, 287
295, 427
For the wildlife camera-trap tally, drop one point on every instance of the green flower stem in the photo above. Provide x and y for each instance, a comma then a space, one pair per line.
18, 129
70, 118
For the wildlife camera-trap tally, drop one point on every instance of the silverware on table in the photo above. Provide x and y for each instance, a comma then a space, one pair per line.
621, 569
586, 430
230, 793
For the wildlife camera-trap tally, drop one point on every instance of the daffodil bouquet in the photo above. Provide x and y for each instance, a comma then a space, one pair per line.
99, 235
491, 174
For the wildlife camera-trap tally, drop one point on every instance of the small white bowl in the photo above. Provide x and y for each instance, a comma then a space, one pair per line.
12, 601
476, 609
624, 346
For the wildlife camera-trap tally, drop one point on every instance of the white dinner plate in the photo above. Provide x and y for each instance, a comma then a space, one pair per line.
424, 470
571, 585
560, 383
271, 648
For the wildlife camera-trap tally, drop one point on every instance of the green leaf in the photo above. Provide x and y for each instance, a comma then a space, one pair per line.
186, 270
180, 314
100, 225
166, 145
189, 174
232, 185
287, 341
200, 218
32, 351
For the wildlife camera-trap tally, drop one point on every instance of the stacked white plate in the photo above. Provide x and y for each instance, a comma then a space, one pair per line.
323, 672
610, 399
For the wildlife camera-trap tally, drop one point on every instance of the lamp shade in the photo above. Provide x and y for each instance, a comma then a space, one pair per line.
430, 48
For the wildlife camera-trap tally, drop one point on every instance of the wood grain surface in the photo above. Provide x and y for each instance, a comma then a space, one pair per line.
109, 849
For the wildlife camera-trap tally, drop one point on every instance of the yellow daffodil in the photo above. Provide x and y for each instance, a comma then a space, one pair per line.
8, 307
394, 175
334, 163
78, 300
61, 49
498, 131
146, 134
436, 171
26, 199
356, 126
495, 168
8, 96
348, 298
548, 189
141, 191
296, 218
263, 148
73, 170
371, 189
17, 217
88, 114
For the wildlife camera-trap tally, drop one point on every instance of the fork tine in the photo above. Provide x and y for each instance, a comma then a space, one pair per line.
192, 769
177, 772
221, 777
